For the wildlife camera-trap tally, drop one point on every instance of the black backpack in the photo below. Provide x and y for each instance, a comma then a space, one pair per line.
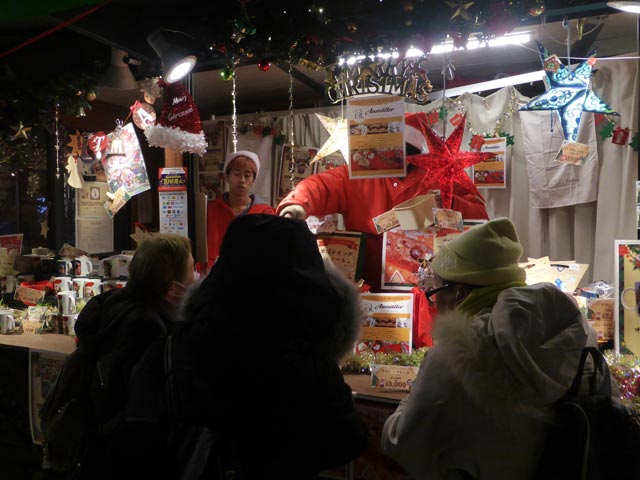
594, 436
166, 409
67, 415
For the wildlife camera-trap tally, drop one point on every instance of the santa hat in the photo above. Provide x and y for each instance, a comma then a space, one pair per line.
413, 130
242, 153
179, 126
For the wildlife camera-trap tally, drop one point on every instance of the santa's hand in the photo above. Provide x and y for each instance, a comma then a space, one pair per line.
294, 211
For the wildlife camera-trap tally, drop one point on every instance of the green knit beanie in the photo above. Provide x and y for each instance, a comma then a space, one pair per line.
486, 254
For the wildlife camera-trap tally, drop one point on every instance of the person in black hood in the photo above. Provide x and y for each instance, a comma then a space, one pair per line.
268, 327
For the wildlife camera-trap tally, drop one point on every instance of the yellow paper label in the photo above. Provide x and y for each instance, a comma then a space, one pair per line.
573, 153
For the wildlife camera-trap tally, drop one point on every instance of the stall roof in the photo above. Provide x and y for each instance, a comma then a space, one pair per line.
41, 39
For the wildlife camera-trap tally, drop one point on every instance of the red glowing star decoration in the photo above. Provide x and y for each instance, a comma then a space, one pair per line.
446, 162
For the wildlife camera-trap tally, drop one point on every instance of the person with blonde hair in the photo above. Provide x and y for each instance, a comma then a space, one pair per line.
504, 352
118, 326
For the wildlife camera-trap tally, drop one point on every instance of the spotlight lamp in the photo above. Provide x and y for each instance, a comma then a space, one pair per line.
175, 50
630, 6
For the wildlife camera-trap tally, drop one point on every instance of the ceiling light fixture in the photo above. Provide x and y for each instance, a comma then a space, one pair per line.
627, 6
175, 50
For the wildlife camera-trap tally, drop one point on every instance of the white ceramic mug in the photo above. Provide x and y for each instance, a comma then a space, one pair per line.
82, 266
67, 302
635, 302
92, 287
8, 283
78, 284
117, 266
7, 321
69, 323
63, 266
62, 284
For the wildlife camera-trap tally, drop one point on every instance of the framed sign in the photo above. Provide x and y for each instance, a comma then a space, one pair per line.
346, 251
626, 336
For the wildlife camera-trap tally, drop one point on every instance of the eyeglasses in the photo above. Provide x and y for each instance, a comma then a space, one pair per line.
432, 291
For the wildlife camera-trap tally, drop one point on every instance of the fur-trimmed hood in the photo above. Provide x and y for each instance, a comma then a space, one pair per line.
520, 356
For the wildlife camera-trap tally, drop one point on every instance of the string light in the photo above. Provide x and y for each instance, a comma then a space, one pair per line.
292, 175
234, 116
57, 146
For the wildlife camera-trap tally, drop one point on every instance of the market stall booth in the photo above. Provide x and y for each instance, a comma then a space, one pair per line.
552, 145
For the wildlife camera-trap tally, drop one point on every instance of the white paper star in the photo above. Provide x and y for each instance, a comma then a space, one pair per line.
338, 139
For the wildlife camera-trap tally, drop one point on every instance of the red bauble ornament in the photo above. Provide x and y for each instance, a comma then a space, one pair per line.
263, 65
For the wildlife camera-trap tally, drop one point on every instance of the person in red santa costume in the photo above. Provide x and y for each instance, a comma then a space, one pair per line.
360, 200
240, 169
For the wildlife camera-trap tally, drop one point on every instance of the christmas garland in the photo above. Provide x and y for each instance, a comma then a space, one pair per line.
362, 362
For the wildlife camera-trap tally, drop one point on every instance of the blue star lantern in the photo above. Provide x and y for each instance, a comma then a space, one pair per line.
569, 93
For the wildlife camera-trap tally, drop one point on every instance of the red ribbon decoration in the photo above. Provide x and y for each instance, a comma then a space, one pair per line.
54, 29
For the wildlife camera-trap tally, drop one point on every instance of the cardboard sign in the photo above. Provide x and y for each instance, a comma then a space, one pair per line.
393, 377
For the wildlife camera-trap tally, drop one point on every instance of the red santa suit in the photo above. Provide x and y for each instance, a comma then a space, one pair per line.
359, 200
220, 215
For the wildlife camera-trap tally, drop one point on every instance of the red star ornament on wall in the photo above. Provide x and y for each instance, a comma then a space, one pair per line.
446, 163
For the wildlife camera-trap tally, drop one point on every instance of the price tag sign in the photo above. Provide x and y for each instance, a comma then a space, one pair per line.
393, 377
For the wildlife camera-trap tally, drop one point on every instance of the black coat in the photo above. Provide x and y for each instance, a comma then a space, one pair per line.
266, 329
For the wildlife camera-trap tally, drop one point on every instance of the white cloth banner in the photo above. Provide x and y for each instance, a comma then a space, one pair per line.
555, 184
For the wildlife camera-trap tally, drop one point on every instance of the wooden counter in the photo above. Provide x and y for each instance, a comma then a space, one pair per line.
362, 389
51, 342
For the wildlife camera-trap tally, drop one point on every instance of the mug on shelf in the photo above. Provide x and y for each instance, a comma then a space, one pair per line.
67, 302
63, 266
62, 284
8, 283
7, 321
82, 266
69, 323
78, 286
92, 287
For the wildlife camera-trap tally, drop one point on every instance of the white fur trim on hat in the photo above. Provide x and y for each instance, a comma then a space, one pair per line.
412, 133
242, 153
487, 254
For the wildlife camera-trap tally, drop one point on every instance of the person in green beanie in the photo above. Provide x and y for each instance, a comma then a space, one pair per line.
504, 353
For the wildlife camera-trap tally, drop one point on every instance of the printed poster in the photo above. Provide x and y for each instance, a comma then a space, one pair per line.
127, 168
94, 234
328, 162
294, 169
173, 202
387, 323
212, 185
44, 367
627, 296
376, 137
12, 242
346, 251
402, 249
94, 222
492, 174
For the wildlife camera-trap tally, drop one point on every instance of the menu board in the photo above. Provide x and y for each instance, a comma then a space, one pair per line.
387, 323
376, 137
